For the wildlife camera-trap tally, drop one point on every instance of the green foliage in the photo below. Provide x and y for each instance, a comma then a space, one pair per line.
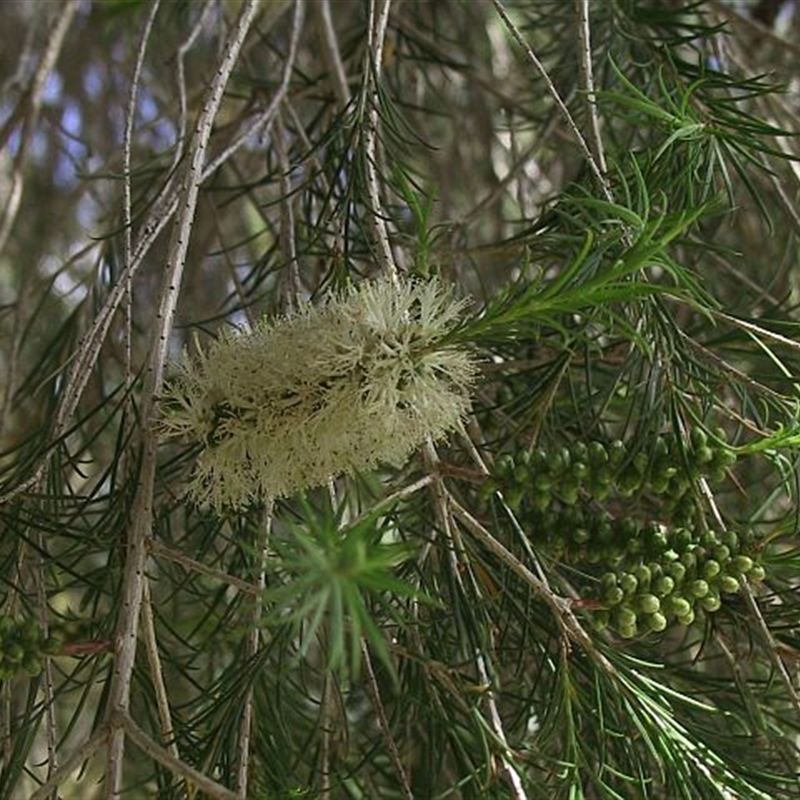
339, 578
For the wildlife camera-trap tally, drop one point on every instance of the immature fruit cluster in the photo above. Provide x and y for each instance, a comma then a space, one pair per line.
646, 576
597, 470
667, 576
643, 576
22, 647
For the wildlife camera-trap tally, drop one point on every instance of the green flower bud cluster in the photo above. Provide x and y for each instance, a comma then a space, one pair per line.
597, 470
669, 577
23, 646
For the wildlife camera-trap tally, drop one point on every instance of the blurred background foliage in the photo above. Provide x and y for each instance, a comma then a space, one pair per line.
590, 589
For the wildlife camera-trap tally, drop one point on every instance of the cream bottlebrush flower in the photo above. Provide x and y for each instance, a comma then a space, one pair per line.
361, 379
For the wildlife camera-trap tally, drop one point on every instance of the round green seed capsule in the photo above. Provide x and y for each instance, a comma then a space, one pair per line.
648, 603
699, 588
505, 465
579, 470
628, 631
625, 617
569, 494
634, 547
539, 459
579, 451
704, 455
677, 572
722, 553
728, 584
668, 556
598, 454
659, 483
488, 488
521, 473
604, 532
756, 574
628, 583
513, 497
628, 483
711, 569
741, 564
686, 619
708, 539
689, 560
698, 438
656, 622
608, 580
720, 434
731, 539
711, 602
679, 606
617, 452
643, 576
541, 500
613, 596
682, 539
663, 586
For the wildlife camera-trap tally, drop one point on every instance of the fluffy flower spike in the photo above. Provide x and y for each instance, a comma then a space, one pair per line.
362, 378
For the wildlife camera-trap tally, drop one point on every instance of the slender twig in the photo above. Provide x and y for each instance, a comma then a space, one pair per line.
156, 673
558, 605
325, 737
773, 651
458, 554
83, 753
175, 765
250, 650
383, 723
142, 513
330, 53
28, 108
570, 120
372, 67
158, 549
517, 789
756, 329
521, 535
587, 79
51, 731
753, 26
180, 82
262, 123
127, 199
31, 103
287, 230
